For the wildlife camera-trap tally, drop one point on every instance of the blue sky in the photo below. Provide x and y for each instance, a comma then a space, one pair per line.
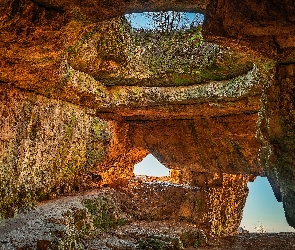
140, 20
261, 205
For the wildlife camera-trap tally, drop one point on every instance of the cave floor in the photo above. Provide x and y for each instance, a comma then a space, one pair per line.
267, 241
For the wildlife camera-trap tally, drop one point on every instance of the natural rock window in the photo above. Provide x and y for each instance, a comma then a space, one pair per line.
168, 21
260, 208
150, 166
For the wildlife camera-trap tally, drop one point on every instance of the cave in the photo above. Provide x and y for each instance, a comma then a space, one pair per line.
84, 98
150, 166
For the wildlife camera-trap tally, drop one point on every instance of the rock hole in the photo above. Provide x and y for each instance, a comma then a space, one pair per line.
262, 212
150, 166
167, 21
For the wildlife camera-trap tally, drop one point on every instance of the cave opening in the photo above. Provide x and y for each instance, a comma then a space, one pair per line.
262, 212
165, 21
150, 166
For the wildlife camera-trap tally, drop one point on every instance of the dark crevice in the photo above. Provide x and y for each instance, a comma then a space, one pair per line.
108, 115
139, 120
278, 47
15, 8
287, 63
12, 85
48, 7
3, 81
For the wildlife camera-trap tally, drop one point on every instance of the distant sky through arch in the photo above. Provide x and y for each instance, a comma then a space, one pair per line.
262, 208
150, 166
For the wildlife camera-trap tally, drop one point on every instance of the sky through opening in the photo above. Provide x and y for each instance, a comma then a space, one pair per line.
150, 166
145, 20
262, 208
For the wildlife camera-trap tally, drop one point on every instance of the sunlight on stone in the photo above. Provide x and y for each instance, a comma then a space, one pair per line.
150, 166
262, 209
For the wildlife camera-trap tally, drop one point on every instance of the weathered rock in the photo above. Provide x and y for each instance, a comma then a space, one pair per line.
93, 56
284, 241
50, 147
215, 208
59, 61
277, 136
124, 218
265, 26
208, 144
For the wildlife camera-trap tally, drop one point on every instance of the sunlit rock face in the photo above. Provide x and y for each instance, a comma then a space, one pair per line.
264, 26
50, 148
84, 98
209, 144
106, 65
216, 206
134, 213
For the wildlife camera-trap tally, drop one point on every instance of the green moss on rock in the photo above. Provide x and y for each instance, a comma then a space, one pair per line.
102, 211
50, 148
115, 54
160, 243
105, 214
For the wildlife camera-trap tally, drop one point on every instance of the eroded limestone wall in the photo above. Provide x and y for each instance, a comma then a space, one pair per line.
51, 148
264, 26
125, 218
277, 136
215, 144
52, 48
48, 148
216, 209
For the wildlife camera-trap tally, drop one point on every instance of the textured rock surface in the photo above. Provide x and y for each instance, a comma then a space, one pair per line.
216, 208
107, 218
284, 241
264, 26
52, 52
50, 147
83, 98
209, 144
92, 56
277, 135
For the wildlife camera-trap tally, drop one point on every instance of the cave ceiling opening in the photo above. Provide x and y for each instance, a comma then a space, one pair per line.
165, 21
